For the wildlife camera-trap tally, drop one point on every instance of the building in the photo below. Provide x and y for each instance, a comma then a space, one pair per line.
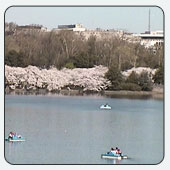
26, 28
74, 27
153, 39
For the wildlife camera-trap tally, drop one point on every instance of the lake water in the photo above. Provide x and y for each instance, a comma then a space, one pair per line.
73, 130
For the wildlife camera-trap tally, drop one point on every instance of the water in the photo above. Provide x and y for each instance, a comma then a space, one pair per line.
73, 130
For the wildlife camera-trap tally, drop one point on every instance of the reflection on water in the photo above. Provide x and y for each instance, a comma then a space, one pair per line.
73, 130
113, 161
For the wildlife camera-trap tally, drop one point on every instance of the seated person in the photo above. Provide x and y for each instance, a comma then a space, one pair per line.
113, 151
11, 135
118, 151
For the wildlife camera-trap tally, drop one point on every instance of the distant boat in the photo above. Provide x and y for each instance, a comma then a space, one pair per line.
105, 107
15, 139
110, 155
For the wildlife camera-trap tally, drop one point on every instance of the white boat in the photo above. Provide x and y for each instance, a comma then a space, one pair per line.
105, 107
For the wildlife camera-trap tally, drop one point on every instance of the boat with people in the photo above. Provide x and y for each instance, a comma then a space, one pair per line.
14, 137
114, 154
105, 107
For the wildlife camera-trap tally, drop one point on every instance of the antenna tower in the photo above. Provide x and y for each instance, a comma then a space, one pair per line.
149, 25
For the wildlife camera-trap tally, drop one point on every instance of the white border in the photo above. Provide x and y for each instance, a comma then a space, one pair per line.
164, 4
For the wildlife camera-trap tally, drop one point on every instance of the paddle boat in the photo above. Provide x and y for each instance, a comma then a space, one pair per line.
13, 137
114, 154
110, 155
105, 107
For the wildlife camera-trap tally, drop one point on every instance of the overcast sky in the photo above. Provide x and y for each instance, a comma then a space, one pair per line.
132, 19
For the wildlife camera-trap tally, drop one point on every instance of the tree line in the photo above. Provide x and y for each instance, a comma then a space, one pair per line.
69, 49
72, 50
134, 82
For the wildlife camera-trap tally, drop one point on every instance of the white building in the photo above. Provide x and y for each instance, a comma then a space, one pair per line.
151, 39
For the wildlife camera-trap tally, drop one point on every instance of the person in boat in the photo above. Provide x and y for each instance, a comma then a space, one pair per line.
106, 105
118, 151
19, 136
11, 135
113, 151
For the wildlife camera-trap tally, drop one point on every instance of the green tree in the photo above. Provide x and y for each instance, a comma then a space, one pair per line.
115, 77
145, 82
159, 76
14, 58
131, 83
133, 78
130, 86
82, 61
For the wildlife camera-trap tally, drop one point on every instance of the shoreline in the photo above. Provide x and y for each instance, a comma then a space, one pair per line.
154, 94
136, 94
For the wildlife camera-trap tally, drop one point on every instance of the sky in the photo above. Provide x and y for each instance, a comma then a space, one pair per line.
131, 19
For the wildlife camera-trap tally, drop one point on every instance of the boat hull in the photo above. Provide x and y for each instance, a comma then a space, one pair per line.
105, 107
108, 156
15, 139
